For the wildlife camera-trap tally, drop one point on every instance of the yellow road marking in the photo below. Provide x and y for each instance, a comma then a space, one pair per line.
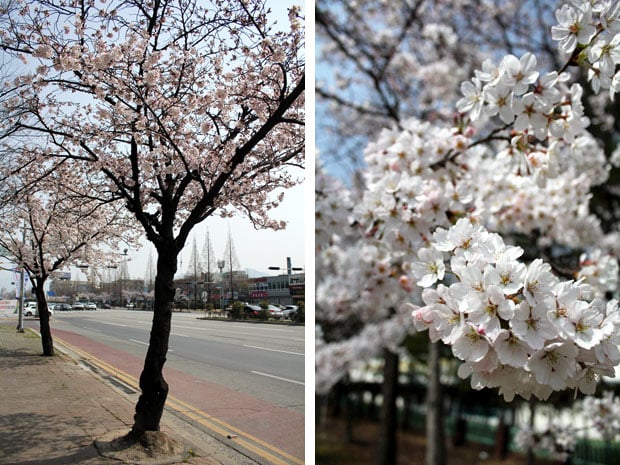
216, 425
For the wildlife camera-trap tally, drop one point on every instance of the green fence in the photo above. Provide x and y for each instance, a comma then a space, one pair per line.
594, 452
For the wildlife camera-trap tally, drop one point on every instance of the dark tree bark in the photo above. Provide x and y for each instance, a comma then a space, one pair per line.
530, 456
44, 318
388, 434
150, 406
435, 438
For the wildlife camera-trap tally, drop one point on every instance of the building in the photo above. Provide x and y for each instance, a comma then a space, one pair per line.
283, 289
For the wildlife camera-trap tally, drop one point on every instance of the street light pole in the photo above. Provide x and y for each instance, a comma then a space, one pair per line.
123, 261
289, 269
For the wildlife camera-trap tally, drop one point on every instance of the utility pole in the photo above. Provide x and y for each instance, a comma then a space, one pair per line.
22, 277
230, 260
20, 315
123, 270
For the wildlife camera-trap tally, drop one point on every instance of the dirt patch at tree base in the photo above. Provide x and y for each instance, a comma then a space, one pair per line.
151, 448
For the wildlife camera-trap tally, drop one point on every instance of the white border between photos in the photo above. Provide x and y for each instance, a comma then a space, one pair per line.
309, 211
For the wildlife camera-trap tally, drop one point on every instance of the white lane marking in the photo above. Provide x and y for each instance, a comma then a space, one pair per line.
92, 329
274, 350
146, 344
114, 324
233, 328
277, 377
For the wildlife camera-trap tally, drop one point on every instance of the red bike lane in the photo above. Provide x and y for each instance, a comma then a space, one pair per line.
259, 425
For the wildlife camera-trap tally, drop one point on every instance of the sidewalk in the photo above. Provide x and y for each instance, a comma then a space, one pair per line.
52, 409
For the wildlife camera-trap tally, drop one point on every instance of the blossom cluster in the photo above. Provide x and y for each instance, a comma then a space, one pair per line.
534, 104
589, 30
556, 441
599, 270
604, 412
365, 239
543, 105
424, 176
512, 202
591, 416
515, 326
335, 359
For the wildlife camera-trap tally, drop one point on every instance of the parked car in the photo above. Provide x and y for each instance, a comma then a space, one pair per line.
90, 306
251, 310
77, 306
290, 311
275, 312
131, 305
62, 307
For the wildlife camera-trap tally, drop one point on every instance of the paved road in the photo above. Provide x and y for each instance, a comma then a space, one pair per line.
261, 360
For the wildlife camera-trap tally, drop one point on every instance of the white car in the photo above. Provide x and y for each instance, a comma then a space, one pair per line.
275, 312
289, 311
31, 309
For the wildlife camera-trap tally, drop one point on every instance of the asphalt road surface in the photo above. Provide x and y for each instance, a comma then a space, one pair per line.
262, 360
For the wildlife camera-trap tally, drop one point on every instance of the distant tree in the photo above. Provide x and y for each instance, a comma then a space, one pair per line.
208, 263
300, 315
149, 274
54, 227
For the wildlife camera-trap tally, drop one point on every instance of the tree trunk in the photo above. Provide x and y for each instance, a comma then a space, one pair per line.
388, 434
435, 440
44, 318
530, 456
150, 406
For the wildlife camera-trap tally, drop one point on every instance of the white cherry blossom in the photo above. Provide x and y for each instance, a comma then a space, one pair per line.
472, 100
519, 73
554, 364
430, 268
574, 26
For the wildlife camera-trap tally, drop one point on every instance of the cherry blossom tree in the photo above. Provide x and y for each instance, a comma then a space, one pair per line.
48, 226
183, 109
517, 159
